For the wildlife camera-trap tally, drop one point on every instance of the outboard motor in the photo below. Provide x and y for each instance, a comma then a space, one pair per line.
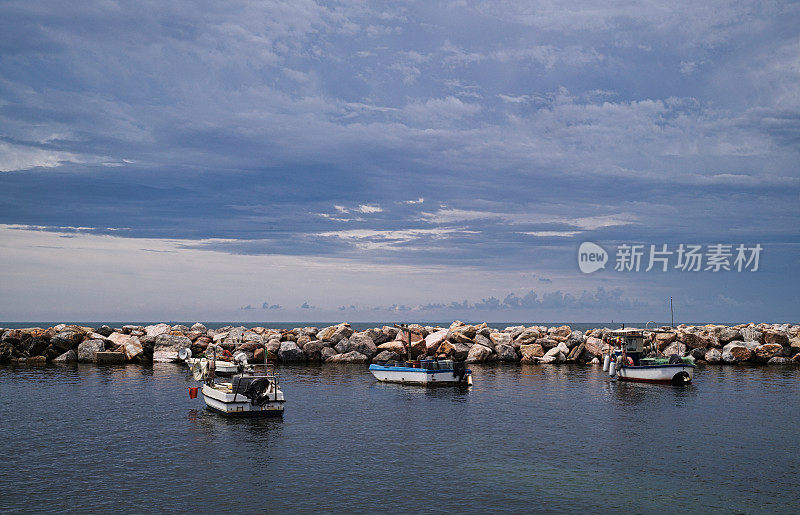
256, 391
459, 369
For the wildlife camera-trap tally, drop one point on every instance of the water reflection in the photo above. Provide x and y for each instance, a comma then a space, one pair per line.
551, 433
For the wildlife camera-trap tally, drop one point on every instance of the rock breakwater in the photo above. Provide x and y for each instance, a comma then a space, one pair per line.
481, 343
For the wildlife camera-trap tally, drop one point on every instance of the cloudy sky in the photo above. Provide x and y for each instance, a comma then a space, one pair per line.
281, 161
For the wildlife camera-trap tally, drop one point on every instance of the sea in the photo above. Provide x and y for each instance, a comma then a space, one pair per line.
524, 438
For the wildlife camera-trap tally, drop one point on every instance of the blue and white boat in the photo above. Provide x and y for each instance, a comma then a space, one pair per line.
427, 372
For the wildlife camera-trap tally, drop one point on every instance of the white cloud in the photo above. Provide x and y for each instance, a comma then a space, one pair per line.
367, 208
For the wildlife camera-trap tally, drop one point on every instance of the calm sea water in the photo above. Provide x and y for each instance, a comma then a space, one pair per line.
524, 438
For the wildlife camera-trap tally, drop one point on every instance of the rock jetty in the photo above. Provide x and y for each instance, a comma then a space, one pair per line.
713, 344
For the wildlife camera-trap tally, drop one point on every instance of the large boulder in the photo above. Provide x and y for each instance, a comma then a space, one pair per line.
386, 355
766, 352
531, 352
88, 348
486, 341
434, 340
201, 328
461, 351
313, 351
132, 348
562, 331
728, 334
678, 348
67, 340
335, 333
289, 352
167, 346
694, 340
713, 355
575, 339
104, 330
68, 357
594, 347
478, 354
36, 345
361, 342
547, 343
526, 337
777, 360
736, 352
461, 333
505, 353
327, 353
514, 331
664, 339
158, 329
751, 334
348, 357
394, 347
771, 336
554, 355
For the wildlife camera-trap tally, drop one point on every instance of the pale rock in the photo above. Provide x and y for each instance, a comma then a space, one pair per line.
167, 346
595, 347
289, 352
394, 347
68, 357
362, 343
199, 327
65, 340
88, 348
728, 334
486, 341
713, 355
514, 331
386, 355
433, 340
478, 354
678, 348
156, 330
751, 334
327, 353
528, 336
349, 357
497, 338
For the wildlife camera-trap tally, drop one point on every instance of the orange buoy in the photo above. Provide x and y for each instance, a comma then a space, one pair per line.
193, 393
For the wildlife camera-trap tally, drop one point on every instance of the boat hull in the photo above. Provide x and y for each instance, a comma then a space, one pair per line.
664, 374
237, 405
418, 376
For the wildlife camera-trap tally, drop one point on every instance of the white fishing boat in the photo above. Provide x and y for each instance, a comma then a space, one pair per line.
426, 372
221, 367
252, 391
631, 360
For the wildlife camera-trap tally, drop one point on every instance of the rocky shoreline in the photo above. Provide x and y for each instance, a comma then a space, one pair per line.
713, 344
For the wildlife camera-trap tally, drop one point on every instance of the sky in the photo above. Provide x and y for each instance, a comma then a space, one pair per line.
417, 161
